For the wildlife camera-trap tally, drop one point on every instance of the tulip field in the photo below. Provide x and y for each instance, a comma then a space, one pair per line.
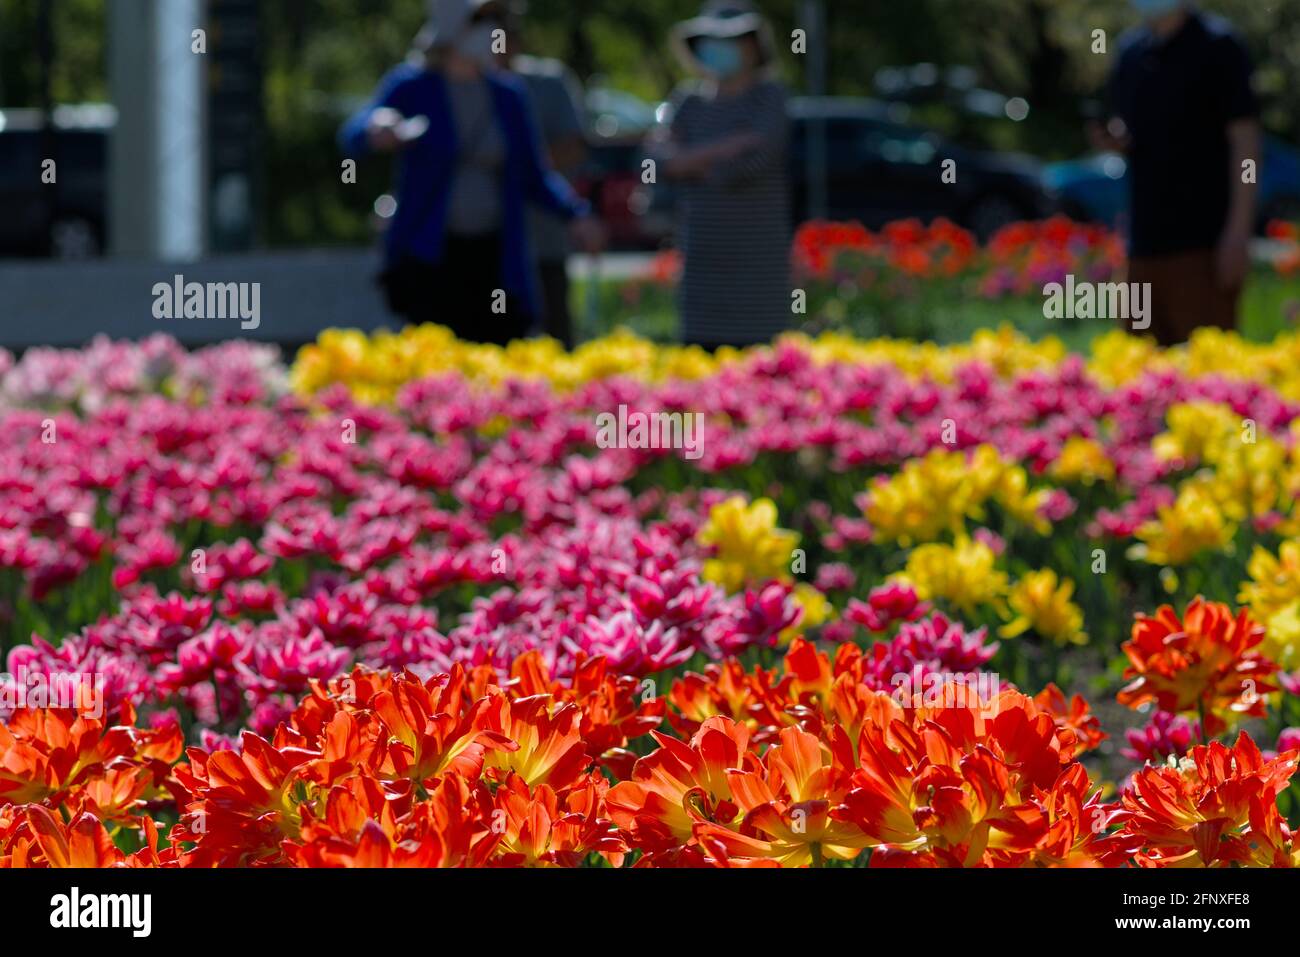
990, 604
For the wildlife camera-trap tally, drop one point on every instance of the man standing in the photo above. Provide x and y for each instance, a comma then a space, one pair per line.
1185, 114
557, 98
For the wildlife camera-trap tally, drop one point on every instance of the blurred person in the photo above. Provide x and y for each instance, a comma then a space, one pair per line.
469, 164
727, 147
1185, 114
557, 98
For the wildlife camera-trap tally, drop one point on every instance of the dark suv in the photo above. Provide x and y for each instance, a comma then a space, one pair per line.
879, 169
65, 219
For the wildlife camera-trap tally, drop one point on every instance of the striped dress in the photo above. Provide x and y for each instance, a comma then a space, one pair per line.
735, 229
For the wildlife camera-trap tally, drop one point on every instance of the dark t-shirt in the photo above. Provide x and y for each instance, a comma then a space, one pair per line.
1177, 97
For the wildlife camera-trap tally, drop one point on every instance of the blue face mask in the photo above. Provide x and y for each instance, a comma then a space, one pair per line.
1155, 8
722, 58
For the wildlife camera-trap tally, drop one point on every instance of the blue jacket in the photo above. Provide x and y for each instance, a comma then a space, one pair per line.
427, 167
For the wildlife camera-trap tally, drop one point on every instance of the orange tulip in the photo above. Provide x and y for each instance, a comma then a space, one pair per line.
240, 806
539, 828
1202, 664
683, 784
362, 826
83, 843
787, 809
614, 708
439, 731
548, 748
955, 786
1074, 717
1216, 808
51, 755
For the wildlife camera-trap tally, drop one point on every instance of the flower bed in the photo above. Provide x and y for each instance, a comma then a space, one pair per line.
987, 605
936, 282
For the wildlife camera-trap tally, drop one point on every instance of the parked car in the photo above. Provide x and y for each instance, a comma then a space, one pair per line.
615, 114
972, 111
1095, 188
879, 168
65, 219
611, 179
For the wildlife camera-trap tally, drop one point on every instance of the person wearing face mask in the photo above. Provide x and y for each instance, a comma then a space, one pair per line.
726, 149
457, 249
1184, 113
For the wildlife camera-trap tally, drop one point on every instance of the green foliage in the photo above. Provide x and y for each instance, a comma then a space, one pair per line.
322, 56
80, 72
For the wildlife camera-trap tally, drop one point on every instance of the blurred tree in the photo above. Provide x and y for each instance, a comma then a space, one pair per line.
80, 66
1042, 50
324, 56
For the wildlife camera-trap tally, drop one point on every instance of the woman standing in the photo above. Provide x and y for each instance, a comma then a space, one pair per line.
457, 247
727, 149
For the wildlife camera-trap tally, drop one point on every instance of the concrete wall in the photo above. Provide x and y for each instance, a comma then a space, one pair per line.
302, 292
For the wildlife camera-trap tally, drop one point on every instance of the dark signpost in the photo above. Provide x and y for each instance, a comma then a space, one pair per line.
234, 124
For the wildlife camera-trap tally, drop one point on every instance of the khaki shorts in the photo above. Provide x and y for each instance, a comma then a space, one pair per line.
1185, 295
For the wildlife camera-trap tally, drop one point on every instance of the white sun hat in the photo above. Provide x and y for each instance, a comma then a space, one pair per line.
724, 20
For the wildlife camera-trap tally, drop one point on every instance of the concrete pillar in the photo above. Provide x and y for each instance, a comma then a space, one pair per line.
157, 156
